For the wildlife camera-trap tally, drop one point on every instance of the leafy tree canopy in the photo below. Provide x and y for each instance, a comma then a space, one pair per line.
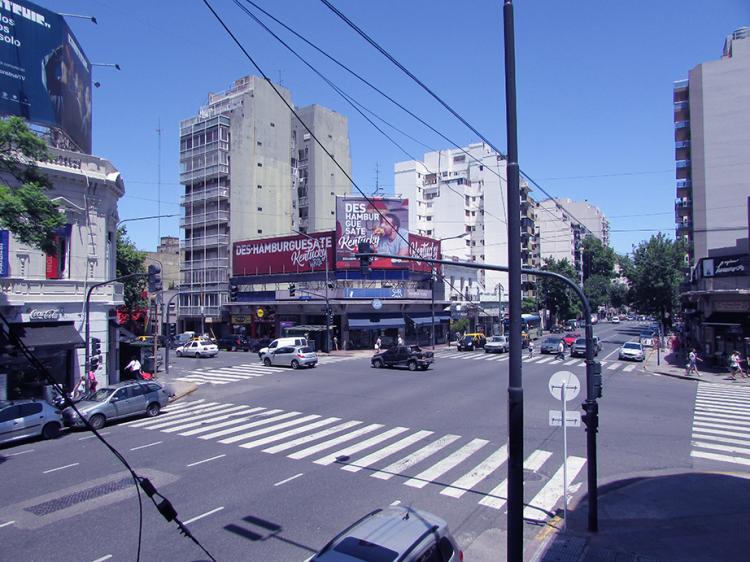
554, 295
529, 306
598, 259
596, 289
131, 260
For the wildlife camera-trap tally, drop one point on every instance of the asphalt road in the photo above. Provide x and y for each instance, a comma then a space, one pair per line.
269, 464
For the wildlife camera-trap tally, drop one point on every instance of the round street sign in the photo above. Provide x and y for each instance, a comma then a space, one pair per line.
572, 385
377, 304
260, 313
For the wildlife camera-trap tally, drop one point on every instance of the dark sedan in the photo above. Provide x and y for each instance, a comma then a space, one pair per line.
550, 344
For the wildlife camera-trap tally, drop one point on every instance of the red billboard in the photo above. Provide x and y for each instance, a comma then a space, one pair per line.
283, 254
424, 247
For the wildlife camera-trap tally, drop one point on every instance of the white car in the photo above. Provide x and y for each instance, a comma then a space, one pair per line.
28, 418
497, 344
197, 348
615, 320
632, 350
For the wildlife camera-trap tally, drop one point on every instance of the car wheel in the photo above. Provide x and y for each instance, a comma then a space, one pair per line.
378, 364
424, 367
179, 353
412, 365
313, 365
295, 364
97, 421
153, 410
51, 430
267, 362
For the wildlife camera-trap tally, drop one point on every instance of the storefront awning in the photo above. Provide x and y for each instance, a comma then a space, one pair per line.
48, 335
725, 319
307, 328
427, 320
367, 324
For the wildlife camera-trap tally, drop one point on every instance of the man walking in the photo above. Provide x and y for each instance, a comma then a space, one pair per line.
560, 351
734, 366
531, 349
692, 366
134, 367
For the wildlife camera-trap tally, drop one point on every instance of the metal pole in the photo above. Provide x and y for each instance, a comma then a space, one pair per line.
432, 287
169, 342
328, 304
564, 398
515, 379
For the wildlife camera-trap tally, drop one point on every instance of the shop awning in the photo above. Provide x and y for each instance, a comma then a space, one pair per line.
381, 323
307, 328
427, 320
726, 319
48, 335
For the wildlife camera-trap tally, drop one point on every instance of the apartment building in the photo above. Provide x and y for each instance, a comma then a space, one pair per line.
460, 197
240, 166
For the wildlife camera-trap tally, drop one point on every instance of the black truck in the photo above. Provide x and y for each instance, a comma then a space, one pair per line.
411, 356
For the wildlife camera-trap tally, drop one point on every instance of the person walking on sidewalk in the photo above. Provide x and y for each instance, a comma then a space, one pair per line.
560, 351
531, 349
734, 366
692, 366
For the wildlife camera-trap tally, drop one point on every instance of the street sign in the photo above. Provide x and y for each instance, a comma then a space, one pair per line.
572, 419
377, 304
571, 382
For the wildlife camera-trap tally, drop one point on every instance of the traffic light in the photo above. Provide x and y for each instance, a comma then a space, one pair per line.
233, 290
96, 347
154, 279
292, 289
172, 331
329, 315
364, 260
597, 379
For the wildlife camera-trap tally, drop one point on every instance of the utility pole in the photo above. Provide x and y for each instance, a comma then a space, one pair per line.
158, 184
515, 379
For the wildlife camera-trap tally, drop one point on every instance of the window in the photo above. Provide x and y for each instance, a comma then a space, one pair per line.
260, 231
121, 394
273, 124
260, 208
429, 217
30, 409
10, 413
259, 143
260, 164
461, 158
260, 186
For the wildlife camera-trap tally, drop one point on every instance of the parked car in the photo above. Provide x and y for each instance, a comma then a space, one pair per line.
550, 344
292, 356
631, 350
497, 344
296, 341
615, 320
197, 348
571, 324
234, 343
470, 342
411, 356
556, 329
646, 338
578, 349
570, 338
395, 533
20, 419
630, 317
117, 401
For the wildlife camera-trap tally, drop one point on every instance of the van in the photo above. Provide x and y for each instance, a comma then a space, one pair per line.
295, 341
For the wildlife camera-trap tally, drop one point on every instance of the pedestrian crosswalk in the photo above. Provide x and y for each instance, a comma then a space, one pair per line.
537, 359
721, 424
418, 458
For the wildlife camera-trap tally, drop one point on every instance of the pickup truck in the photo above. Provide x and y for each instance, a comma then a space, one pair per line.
410, 356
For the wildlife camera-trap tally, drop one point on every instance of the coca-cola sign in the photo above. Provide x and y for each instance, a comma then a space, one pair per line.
285, 254
50, 314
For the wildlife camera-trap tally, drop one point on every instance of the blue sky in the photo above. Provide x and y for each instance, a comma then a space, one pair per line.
594, 88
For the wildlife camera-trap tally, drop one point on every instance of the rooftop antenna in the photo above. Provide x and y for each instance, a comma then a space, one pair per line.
378, 190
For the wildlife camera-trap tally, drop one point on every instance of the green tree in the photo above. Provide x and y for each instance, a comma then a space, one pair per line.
656, 275
619, 295
131, 260
554, 295
529, 306
25, 208
598, 259
459, 325
596, 289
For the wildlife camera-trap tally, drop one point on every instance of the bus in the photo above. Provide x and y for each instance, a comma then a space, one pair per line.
531, 324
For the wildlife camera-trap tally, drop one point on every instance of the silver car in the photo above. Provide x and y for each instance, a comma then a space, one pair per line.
28, 418
632, 350
117, 401
292, 356
497, 344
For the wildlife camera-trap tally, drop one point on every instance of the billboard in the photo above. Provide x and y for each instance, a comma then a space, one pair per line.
283, 254
424, 247
380, 222
4, 253
44, 75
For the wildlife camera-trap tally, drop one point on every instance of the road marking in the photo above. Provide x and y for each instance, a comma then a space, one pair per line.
740, 426
270, 429
93, 436
497, 497
698, 435
397, 502
193, 418
6, 524
716, 399
103, 558
539, 508
611, 353
477, 357
27, 451
571, 362
285, 434
366, 444
289, 479
372, 458
629, 368
711, 418
438, 469
725, 448
312, 437
544, 360
737, 433
613, 366
60, 468
202, 515
201, 421
723, 458
724, 393
182, 413
146, 446
410, 460
206, 460
200, 379
235, 429
720, 408
333, 442
477, 474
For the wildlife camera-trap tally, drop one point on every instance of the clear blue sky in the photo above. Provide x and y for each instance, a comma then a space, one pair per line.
594, 87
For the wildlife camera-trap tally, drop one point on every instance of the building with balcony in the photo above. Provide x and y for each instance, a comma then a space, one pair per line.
42, 295
460, 196
250, 172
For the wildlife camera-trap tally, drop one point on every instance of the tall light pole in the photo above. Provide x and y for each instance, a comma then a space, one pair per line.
433, 278
328, 304
123, 221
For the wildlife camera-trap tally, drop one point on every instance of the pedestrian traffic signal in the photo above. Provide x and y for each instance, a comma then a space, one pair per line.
94, 363
292, 289
154, 279
363, 248
233, 291
96, 347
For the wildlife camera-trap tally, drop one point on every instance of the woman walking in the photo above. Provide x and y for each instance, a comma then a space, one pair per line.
734, 366
692, 366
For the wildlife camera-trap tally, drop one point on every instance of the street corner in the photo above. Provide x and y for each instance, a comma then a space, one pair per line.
179, 389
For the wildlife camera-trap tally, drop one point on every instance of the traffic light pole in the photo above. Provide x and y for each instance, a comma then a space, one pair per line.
169, 340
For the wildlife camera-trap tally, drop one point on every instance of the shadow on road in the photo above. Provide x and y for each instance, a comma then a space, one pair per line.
686, 517
256, 529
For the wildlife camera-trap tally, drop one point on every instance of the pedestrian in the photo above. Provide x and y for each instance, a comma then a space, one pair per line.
92, 382
747, 362
692, 366
560, 351
400, 340
734, 366
134, 367
335, 343
531, 349
378, 344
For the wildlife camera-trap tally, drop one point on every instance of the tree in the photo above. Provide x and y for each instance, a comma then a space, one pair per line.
529, 306
618, 295
598, 259
596, 289
656, 275
131, 260
554, 295
25, 208
459, 325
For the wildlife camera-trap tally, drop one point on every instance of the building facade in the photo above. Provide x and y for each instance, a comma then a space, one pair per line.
42, 295
240, 166
167, 256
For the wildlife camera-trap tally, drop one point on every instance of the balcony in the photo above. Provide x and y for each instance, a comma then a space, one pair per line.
204, 173
682, 144
304, 201
681, 124
202, 242
18, 292
204, 264
684, 183
683, 202
199, 311
681, 104
212, 194
684, 224
680, 164
191, 221
197, 288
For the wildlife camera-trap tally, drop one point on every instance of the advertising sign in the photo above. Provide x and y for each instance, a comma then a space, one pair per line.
424, 247
726, 266
380, 224
44, 75
4, 253
284, 254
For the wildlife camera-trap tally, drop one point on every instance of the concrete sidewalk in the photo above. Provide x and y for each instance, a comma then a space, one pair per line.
179, 389
673, 365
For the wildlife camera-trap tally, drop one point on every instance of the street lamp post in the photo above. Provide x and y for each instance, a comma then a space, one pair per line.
433, 279
328, 303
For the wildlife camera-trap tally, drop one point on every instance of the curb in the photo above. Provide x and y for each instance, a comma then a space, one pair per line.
181, 394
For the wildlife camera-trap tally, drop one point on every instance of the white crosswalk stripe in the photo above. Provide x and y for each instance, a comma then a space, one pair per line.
236, 373
721, 424
540, 507
549, 360
398, 453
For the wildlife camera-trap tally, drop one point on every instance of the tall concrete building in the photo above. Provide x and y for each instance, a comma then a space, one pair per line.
241, 167
712, 150
460, 195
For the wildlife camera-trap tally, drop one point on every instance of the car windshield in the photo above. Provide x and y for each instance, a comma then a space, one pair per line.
632, 346
100, 395
552, 340
581, 341
305, 349
469, 338
496, 338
